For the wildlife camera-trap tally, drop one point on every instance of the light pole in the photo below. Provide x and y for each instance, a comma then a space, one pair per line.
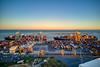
81, 53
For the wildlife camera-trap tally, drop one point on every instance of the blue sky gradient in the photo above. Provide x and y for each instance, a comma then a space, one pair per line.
79, 12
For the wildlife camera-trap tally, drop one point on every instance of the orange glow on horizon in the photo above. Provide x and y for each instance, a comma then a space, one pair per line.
49, 28
49, 25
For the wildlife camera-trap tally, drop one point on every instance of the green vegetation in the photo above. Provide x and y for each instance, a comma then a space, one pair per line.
52, 62
28, 59
3, 64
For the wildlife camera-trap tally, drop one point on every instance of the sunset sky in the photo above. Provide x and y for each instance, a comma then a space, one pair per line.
50, 14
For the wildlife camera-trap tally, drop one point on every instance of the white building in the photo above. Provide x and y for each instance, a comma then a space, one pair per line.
93, 63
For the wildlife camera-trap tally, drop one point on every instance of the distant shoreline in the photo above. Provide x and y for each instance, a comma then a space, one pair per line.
47, 30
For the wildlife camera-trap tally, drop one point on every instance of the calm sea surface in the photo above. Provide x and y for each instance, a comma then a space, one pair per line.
49, 33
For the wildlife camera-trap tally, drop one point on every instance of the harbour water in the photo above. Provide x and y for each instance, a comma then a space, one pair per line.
49, 33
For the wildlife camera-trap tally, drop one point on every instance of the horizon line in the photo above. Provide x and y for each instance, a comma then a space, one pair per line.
49, 29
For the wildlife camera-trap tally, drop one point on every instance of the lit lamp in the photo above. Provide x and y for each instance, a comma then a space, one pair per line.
62, 52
